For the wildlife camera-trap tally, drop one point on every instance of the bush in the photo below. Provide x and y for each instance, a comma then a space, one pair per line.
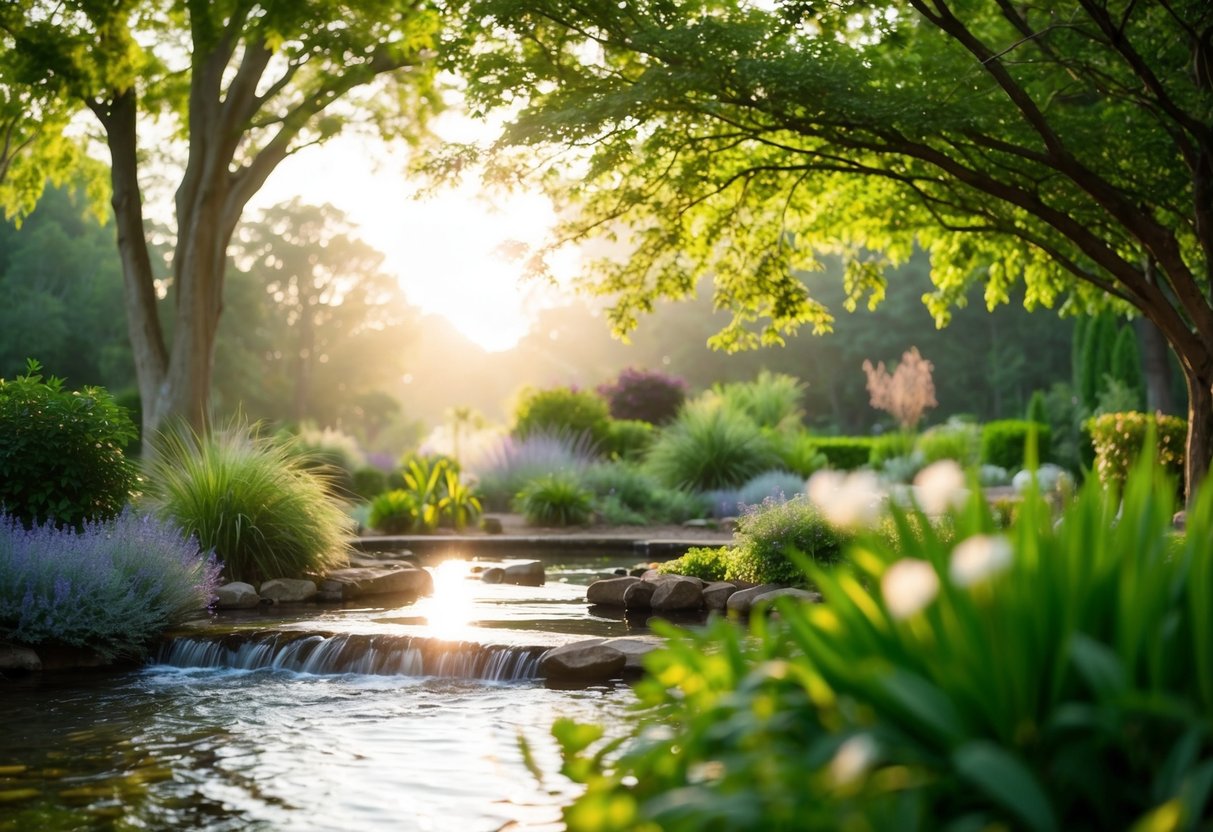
1056, 676
845, 453
957, 441
61, 456
505, 468
673, 506
799, 454
112, 587
1005, 443
1118, 439
779, 486
709, 447
646, 395
562, 410
705, 563
772, 400
629, 439
394, 512
555, 500
369, 483
631, 485
251, 499
332, 452
890, 446
767, 533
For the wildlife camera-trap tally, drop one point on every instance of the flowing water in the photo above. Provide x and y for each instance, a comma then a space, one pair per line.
359, 718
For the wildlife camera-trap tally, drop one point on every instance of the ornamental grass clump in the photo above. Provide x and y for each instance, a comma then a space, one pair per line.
251, 499
1056, 674
112, 587
555, 500
504, 469
708, 447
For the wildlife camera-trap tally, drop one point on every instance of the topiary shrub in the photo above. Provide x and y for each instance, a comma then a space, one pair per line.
1118, 439
845, 453
61, 458
555, 500
709, 447
562, 410
768, 532
369, 483
705, 563
1004, 443
112, 587
394, 512
251, 499
629, 439
645, 395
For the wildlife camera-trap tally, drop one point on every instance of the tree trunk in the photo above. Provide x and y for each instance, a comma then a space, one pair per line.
1157, 366
1199, 446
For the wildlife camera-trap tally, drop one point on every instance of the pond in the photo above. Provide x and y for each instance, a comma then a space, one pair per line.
228, 734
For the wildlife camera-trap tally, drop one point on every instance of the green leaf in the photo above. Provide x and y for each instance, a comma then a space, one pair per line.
575, 737
1098, 665
1007, 781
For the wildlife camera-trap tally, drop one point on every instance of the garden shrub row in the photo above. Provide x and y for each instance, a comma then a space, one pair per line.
1118, 440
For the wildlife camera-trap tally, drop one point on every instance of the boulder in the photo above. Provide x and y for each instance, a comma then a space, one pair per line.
635, 649
684, 594
583, 661
659, 577
16, 659
788, 592
609, 592
493, 575
525, 574
716, 594
288, 591
639, 596
741, 600
348, 584
236, 596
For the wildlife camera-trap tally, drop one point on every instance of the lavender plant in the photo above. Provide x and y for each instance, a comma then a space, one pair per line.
505, 468
112, 587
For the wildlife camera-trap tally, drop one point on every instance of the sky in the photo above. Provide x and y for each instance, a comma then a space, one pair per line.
444, 248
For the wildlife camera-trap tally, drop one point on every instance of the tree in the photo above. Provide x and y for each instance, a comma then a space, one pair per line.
245, 84
1066, 145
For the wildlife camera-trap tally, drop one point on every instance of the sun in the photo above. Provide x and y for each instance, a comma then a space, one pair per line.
446, 249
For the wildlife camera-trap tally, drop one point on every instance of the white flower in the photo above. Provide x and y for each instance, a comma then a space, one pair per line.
853, 759
908, 586
978, 558
846, 500
940, 486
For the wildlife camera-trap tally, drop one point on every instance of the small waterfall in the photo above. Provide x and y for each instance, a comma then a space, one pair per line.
373, 655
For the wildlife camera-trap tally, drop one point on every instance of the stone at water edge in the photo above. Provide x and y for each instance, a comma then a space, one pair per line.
787, 592
491, 525
360, 582
16, 659
583, 661
662, 577
288, 590
639, 596
236, 595
493, 575
608, 592
680, 594
525, 574
635, 649
741, 600
716, 594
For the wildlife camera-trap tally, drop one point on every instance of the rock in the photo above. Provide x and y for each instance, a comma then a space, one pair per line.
684, 594
491, 525
15, 659
635, 649
639, 596
660, 578
583, 661
288, 591
609, 592
741, 600
236, 596
716, 594
787, 592
525, 574
493, 575
638, 572
621, 573
361, 582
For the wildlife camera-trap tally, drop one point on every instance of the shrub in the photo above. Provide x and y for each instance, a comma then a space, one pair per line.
771, 485
907, 392
646, 395
111, 587
959, 441
705, 563
631, 485
251, 499
1118, 439
394, 512
331, 452
845, 453
629, 439
772, 400
890, 446
673, 506
1037, 412
369, 483
724, 502
61, 451
709, 447
798, 453
614, 513
555, 500
1055, 676
767, 533
503, 469
562, 410
1005, 443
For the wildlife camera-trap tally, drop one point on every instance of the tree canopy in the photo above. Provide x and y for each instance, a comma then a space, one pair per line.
1066, 145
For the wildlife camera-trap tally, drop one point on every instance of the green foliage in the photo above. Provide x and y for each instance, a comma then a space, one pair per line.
1036, 411
1125, 365
331, 452
61, 454
629, 439
1057, 675
709, 446
769, 534
1099, 340
394, 512
439, 494
562, 410
506, 467
960, 441
250, 498
704, 562
369, 483
770, 485
1119, 438
555, 500
890, 446
772, 400
1004, 443
798, 453
845, 453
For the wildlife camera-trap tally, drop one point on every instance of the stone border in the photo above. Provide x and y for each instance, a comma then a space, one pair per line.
426, 549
